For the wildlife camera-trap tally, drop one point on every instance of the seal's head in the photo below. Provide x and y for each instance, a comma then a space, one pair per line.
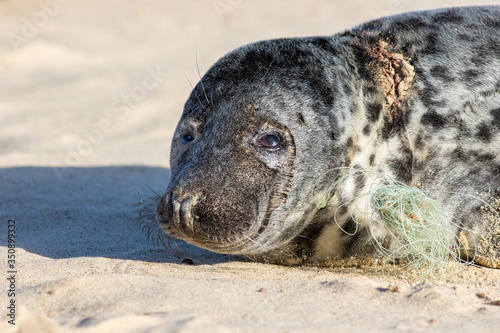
257, 132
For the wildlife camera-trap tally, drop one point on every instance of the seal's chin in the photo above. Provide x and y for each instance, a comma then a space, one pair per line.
238, 244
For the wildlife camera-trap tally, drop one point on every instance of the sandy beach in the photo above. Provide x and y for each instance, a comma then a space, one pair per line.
90, 94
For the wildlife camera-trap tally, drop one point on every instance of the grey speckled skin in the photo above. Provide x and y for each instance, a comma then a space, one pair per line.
268, 128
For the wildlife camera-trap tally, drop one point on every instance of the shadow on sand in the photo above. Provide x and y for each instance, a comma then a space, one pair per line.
90, 212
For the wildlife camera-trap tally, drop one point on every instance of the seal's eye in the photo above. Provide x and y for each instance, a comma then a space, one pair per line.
187, 138
270, 141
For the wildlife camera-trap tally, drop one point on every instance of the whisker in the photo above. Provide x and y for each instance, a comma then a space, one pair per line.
194, 91
201, 79
158, 196
254, 241
148, 225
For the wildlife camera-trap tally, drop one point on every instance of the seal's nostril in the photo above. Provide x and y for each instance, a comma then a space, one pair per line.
179, 210
186, 206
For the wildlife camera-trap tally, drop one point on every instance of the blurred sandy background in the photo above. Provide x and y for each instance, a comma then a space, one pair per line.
90, 94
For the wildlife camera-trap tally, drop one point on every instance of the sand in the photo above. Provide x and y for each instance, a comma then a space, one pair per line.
90, 94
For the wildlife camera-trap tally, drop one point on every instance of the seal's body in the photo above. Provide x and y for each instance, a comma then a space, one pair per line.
415, 97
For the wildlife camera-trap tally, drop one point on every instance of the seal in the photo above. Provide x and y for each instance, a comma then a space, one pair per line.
263, 135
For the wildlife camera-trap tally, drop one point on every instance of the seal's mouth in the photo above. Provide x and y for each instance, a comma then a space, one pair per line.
194, 220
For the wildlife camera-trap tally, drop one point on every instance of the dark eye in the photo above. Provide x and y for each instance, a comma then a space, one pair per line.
270, 141
187, 138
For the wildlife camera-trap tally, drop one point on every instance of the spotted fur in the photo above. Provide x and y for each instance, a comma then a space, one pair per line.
272, 125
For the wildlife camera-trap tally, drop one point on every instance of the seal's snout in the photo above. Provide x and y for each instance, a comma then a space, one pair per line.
204, 218
174, 213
